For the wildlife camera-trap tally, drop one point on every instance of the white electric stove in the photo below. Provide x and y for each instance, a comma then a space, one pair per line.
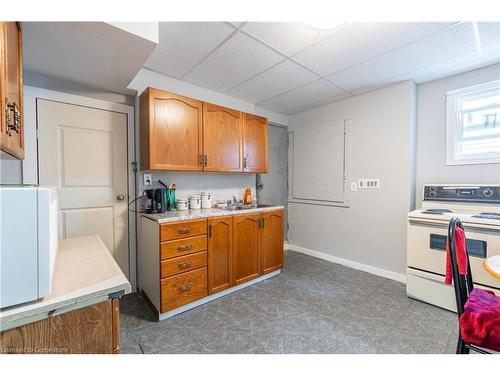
478, 207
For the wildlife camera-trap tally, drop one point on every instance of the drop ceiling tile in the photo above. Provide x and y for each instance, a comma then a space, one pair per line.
310, 93
238, 59
184, 44
362, 41
286, 37
280, 78
448, 44
319, 103
489, 33
489, 56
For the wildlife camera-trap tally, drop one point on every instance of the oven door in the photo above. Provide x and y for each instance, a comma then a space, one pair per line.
427, 248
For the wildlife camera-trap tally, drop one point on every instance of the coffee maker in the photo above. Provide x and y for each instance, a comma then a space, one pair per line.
157, 201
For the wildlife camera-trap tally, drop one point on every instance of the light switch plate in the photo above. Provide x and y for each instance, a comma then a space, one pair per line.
369, 183
148, 179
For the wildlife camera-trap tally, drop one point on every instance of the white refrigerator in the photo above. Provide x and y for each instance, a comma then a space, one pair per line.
28, 242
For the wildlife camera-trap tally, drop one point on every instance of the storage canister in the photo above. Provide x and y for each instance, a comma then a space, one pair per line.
182, 204
194, 202
206, 200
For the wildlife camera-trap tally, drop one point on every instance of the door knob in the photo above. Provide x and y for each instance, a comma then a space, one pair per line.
120, 197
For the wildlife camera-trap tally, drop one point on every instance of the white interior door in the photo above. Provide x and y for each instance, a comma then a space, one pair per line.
83, 151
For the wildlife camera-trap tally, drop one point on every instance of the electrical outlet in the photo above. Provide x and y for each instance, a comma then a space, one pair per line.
369, 183
148, 179
354, 186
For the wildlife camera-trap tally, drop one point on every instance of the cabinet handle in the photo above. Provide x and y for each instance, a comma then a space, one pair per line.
205, 160
263, 223
202, 160
15, 125
184, 265
185, 247
185, 288
245, 162
210, 231
184, 230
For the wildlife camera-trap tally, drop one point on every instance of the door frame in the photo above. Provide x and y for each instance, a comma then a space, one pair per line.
30, 163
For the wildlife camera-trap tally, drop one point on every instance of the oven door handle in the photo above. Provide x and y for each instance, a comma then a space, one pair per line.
466, 227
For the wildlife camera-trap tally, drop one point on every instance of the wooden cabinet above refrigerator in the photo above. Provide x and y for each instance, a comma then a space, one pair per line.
11, 90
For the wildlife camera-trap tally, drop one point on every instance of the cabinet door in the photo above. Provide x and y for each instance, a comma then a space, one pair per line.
171, 132
220, 246
246, 248
11, 87
222, 131
272, 241
255, 144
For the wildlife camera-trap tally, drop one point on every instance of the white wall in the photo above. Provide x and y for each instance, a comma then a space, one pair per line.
222, 186
372, 230
431, 134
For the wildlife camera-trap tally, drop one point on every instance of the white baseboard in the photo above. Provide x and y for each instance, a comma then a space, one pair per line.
348, 263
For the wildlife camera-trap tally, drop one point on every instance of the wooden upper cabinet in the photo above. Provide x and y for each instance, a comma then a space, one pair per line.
255, 144
184, 134
222, 132
272, 241
171, 132
220, 247
11, 90
246, 248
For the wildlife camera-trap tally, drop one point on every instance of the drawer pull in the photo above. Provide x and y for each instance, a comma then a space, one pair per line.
185, 265
185, 288
184, 230
185, 247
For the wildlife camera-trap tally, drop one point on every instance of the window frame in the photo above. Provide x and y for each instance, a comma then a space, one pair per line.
452, 122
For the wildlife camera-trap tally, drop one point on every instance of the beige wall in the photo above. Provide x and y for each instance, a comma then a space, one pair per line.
372, 230
431, 134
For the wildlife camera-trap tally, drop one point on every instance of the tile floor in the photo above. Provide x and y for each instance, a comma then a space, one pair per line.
313, 307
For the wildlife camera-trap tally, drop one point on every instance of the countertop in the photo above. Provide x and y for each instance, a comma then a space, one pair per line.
172, 216
85, 273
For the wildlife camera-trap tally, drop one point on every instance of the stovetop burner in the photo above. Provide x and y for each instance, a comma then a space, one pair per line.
436, 211
487, 215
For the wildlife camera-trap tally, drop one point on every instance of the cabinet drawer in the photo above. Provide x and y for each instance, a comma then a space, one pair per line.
183, 229
185, 246
182, 264
184, 288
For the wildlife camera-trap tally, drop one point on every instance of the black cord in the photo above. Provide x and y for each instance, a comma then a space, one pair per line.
139, 197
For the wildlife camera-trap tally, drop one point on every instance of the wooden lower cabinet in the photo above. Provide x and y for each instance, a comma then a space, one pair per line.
272, 241
220, 247
91, 330
183, 288
222, 252
246, 248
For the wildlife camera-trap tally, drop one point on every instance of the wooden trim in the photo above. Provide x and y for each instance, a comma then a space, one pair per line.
115, 317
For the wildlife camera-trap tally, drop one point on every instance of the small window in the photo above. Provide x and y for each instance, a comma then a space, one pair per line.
473, 123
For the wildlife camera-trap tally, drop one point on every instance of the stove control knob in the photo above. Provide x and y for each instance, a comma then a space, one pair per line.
487, 192
432, 188
432, 194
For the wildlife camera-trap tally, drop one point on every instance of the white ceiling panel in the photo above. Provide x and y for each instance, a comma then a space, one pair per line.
448, 44
238, 59
489, 33
283, 77
286, 37
310, 93
490, 55
184, 44
362, 41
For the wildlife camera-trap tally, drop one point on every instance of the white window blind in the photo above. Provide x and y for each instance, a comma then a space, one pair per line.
473, 124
